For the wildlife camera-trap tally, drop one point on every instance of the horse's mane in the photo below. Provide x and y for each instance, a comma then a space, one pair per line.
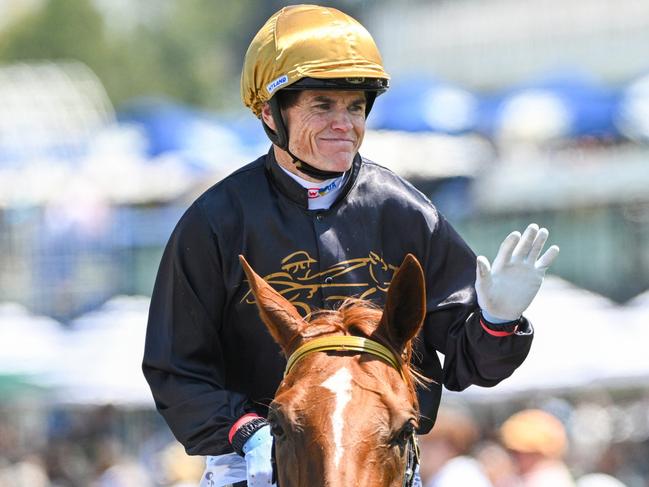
360, 317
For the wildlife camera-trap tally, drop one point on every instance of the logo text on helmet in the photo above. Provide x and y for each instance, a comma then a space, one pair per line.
273, 85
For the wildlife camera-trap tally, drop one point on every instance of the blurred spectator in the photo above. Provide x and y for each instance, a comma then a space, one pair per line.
444, 452
599, 480
67, 463
115, 469
178, 468
497, 464
27, 473
124, 474
538, 443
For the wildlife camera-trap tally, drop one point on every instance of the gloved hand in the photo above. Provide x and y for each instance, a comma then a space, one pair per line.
257, 454
508, 287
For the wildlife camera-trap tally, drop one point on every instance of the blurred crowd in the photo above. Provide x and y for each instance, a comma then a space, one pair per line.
92, 447
566, 145
530, 448
544, 446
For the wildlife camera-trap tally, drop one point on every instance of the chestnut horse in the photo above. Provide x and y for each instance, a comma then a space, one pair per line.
346, 411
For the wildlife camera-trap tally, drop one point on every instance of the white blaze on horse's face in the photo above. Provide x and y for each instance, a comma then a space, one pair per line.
340, 384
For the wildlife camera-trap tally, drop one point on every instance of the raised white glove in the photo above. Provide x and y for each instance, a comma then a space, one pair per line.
508, 287
257, 454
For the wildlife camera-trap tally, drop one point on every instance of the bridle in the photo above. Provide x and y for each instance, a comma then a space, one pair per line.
363, 345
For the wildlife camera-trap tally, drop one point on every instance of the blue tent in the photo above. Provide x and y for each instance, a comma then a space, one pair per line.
632, 117
203, 139
423, 103
167, 124
567, 103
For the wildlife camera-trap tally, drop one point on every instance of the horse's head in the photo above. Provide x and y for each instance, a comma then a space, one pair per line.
346, 416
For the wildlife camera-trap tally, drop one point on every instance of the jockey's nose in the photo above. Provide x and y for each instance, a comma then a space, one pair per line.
342, 120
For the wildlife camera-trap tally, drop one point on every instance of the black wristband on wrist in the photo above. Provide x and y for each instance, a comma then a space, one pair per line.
244, 432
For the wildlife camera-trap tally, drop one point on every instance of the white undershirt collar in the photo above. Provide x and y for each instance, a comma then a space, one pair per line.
321, 195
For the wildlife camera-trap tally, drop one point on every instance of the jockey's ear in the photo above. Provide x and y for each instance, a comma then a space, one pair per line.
405, 304
278, 314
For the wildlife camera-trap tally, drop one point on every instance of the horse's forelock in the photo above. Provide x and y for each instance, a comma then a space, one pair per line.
360, 317
354, 316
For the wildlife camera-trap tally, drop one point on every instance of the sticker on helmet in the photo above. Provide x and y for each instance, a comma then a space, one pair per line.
273, 85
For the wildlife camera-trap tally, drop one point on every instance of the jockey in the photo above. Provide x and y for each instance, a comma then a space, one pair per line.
319, 222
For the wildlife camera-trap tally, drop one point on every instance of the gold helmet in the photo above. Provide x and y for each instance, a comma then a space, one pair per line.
310, 47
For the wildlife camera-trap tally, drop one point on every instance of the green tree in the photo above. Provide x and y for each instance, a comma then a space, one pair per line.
188, 50
62, 29
200, 46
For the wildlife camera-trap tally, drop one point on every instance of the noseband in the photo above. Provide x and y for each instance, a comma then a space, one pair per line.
362, 345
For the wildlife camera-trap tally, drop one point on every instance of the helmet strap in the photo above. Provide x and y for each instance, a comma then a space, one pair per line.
279, 137
370, 98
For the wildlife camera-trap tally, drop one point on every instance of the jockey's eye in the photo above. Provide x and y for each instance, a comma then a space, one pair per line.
403, 435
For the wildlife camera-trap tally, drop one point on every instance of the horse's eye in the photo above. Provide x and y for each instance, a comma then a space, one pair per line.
404, 434
276, 430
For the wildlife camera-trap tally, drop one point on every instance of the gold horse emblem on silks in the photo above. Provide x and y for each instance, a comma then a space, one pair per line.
298, 281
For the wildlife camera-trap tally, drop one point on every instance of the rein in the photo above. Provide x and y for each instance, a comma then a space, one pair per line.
363, 345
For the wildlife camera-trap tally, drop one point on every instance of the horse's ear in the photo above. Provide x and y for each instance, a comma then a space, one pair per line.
405, 304
278, 314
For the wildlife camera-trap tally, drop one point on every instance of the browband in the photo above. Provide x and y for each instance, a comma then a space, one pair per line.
343, 344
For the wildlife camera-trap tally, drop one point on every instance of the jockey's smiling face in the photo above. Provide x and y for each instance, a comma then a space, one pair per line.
325, 128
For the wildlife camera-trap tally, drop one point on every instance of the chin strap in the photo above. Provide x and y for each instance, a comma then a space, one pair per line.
280, 139
314, 172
